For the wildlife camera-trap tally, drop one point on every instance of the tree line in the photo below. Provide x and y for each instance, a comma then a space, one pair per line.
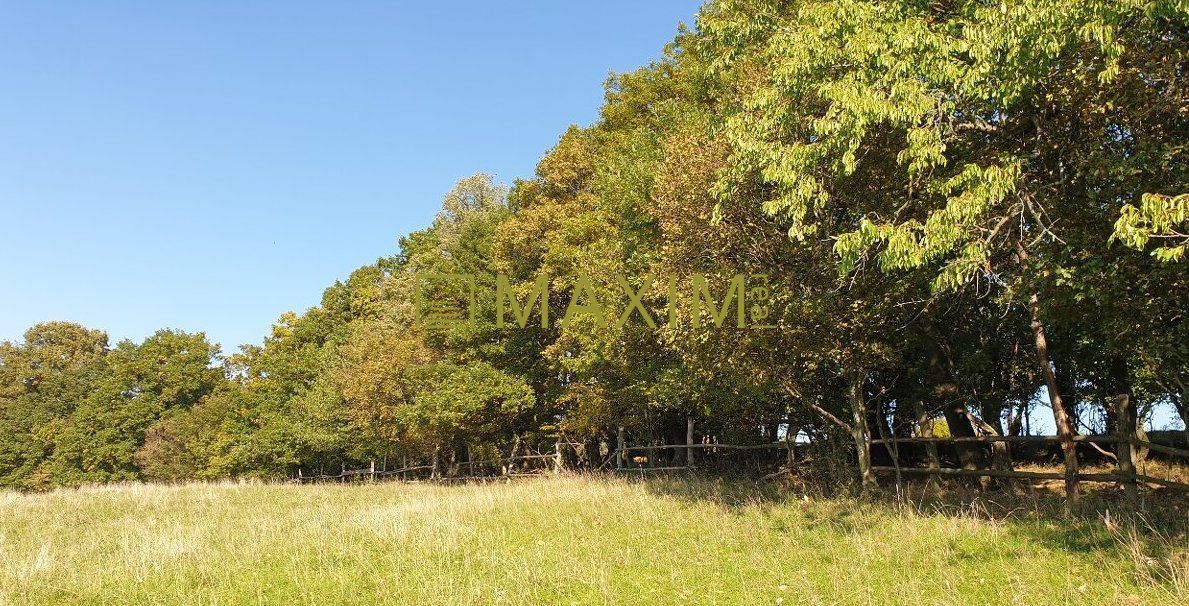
964, 210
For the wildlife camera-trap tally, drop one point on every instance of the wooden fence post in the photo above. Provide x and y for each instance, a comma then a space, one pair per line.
1126, 429
371, 470
689, 441
557, 460
619, 449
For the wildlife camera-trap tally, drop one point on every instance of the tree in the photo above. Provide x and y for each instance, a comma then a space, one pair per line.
41, 383
97, 442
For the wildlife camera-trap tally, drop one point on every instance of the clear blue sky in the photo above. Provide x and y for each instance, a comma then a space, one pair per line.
209, 165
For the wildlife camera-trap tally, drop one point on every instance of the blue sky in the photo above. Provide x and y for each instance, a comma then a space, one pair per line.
207, 166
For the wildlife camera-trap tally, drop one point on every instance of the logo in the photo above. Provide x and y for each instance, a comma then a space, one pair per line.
742, 301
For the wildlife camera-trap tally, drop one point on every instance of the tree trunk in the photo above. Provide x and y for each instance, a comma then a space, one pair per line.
590, 447
689, 441
1141, 452
1123, 403
1181, 403
513, 466
877, 425
1000, 453
891, 447
1125, 414
925, 430
619, 448
859, 433
970, 456
992, 415
1016, 426
1060, 418
1182, 406
436, 465
675, 435
1069, 398
770, 431
790, 440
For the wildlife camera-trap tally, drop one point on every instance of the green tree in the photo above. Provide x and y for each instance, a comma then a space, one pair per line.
41, 382
97, 442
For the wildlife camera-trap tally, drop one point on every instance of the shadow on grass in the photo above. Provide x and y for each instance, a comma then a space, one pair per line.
1103, 520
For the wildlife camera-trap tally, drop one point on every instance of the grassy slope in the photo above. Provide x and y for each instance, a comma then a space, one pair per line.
558, 541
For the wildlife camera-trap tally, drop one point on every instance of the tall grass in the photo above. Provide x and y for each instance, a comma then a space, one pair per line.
569, 540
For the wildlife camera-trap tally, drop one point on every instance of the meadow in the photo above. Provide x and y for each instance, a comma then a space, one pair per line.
567, 540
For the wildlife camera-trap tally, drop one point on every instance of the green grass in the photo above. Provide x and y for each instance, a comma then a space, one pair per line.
553, 541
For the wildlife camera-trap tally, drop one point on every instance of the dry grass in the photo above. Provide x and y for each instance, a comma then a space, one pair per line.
570, 540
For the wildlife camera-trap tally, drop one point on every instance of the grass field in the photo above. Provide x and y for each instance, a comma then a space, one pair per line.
567, 540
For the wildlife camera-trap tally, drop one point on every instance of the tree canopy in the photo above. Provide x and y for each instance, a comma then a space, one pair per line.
916, 195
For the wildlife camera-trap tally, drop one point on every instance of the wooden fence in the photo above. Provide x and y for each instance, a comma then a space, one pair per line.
512, 466
1124, 442
506, 466
1125, 476
1122, 477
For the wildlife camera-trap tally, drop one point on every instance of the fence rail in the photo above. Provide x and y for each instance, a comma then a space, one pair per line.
1125, 441
1033, 475
504, 463
711, 446
1168, 450
999, 473
1104, 439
